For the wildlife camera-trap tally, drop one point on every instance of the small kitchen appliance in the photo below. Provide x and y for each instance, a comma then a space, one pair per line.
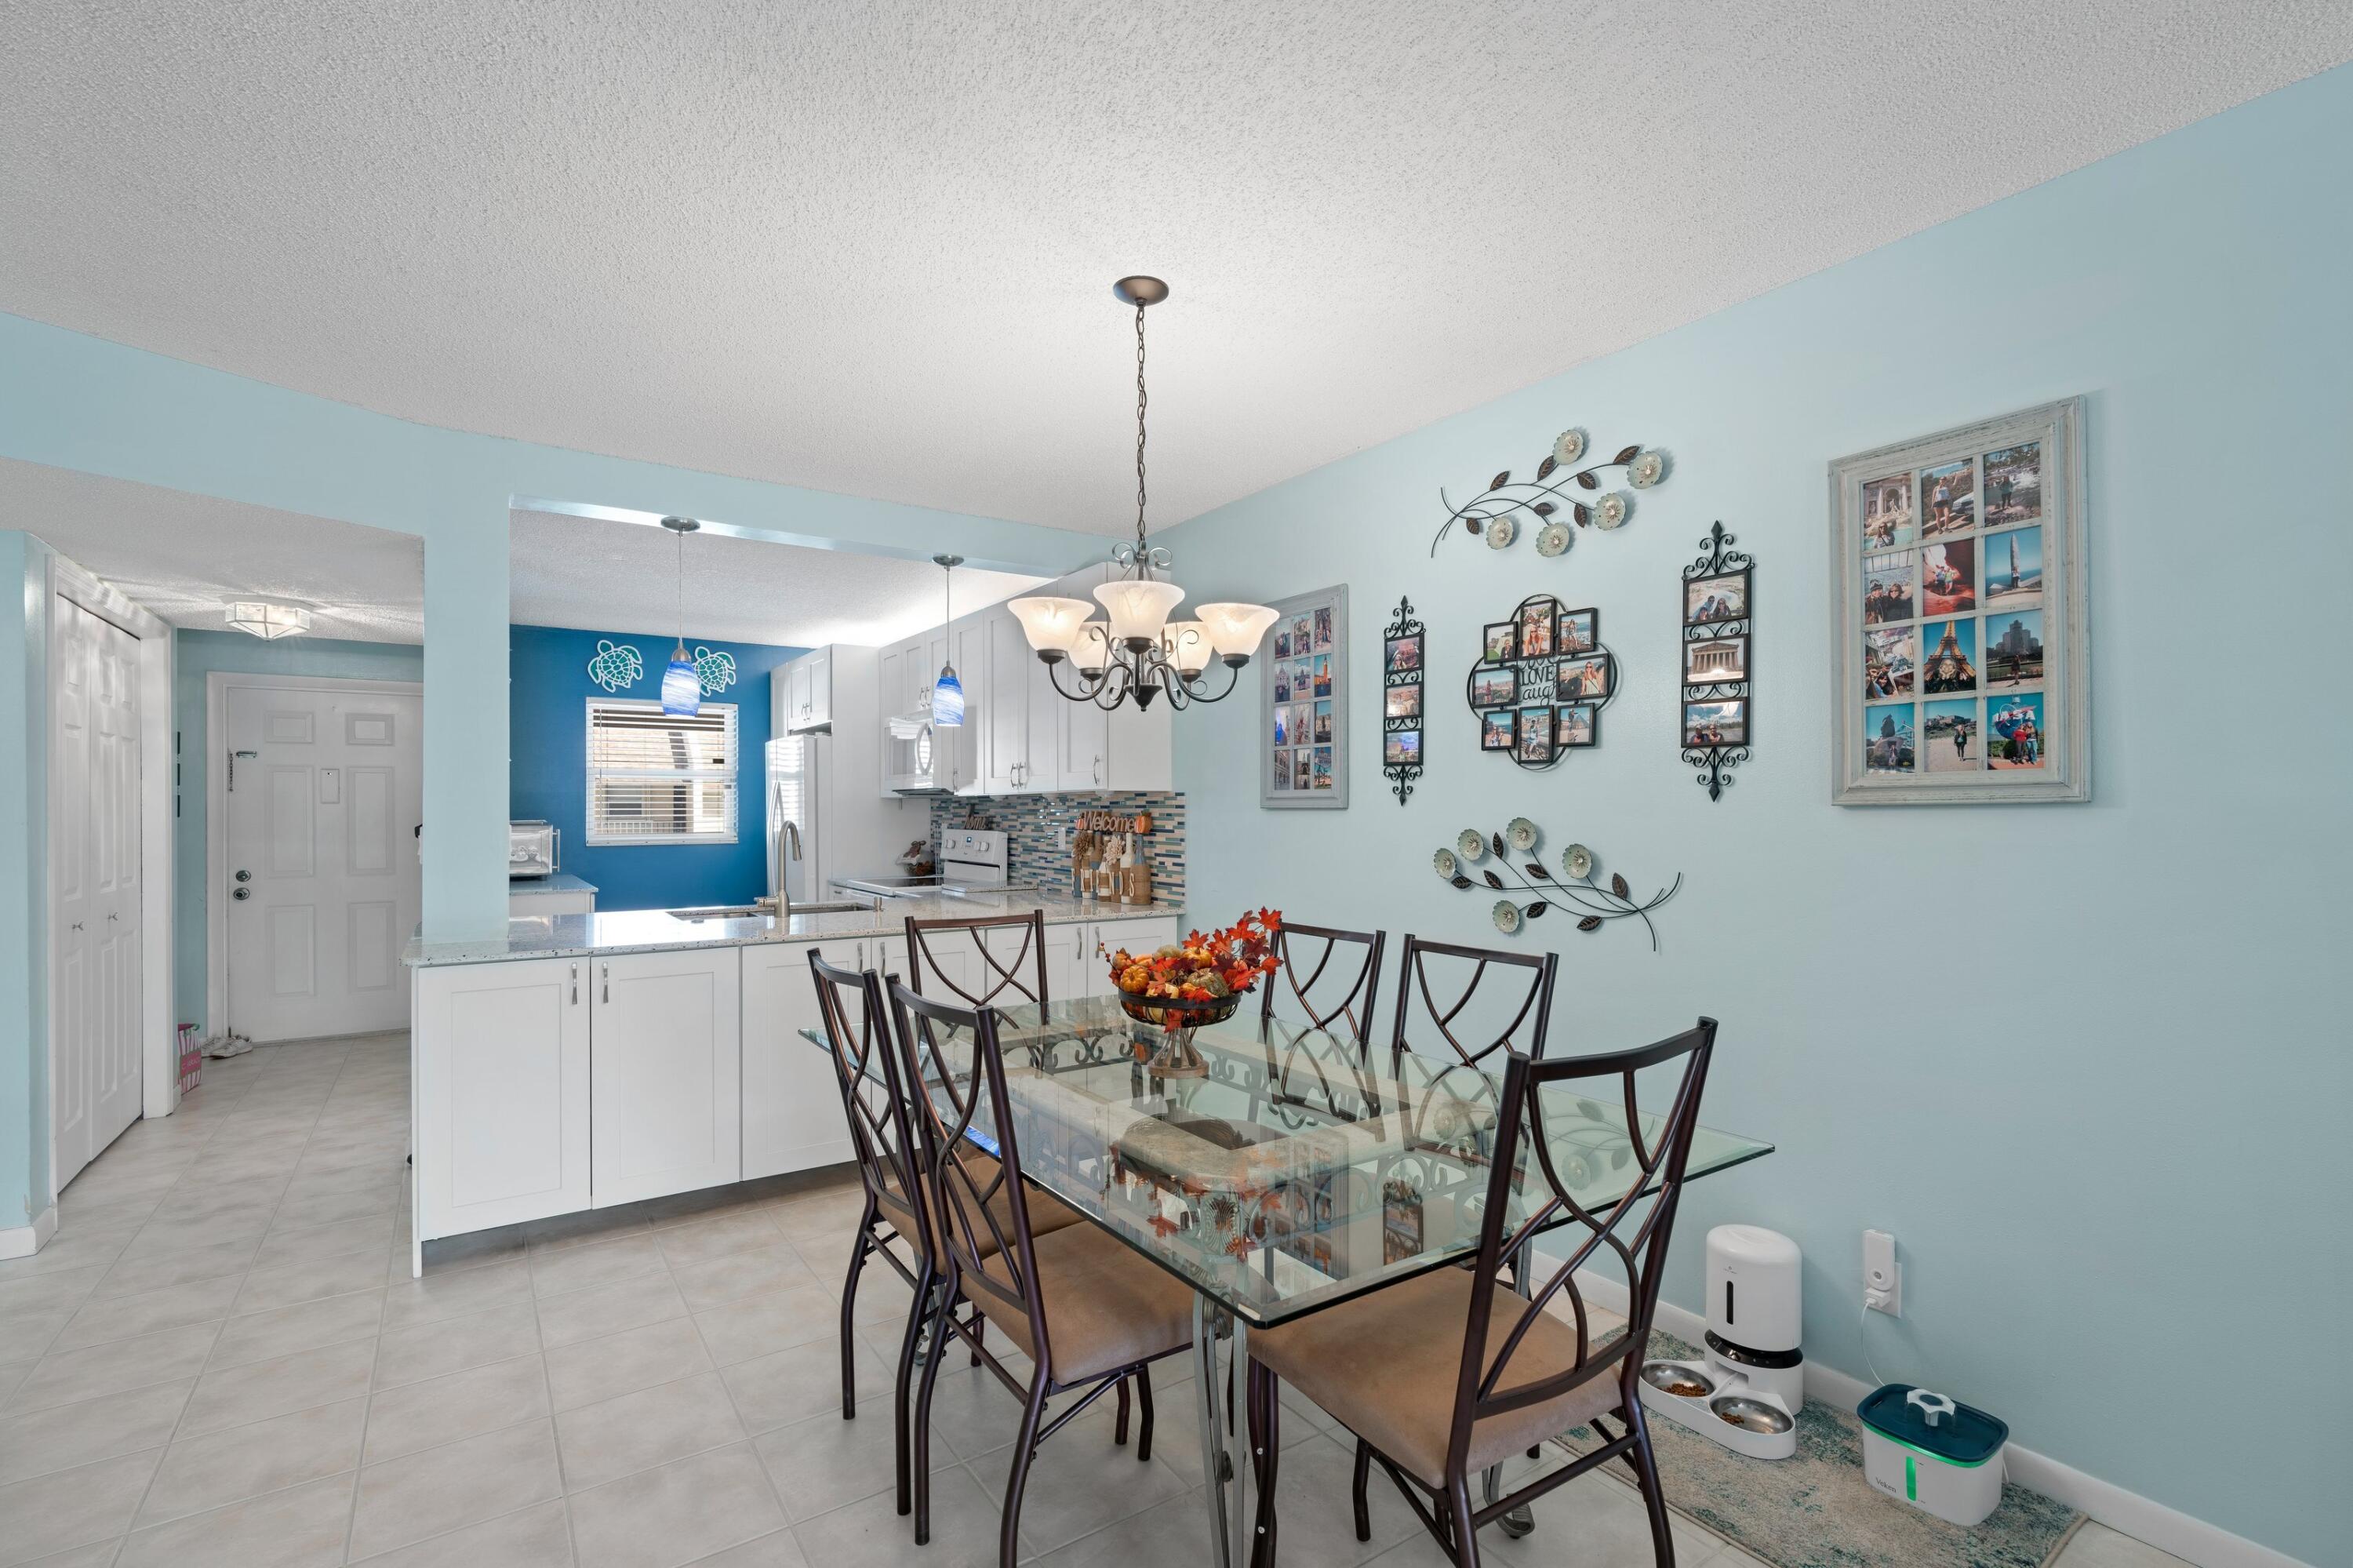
1936, 1453
531, 849
1748, 1390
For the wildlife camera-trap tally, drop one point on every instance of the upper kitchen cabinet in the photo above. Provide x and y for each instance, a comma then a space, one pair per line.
801, 694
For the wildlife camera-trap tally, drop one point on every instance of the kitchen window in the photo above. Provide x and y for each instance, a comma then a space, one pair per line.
657, 778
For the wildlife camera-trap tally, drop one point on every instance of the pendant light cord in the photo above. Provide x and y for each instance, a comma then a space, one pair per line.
681, 587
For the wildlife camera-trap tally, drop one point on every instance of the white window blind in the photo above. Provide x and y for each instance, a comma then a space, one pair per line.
655, 778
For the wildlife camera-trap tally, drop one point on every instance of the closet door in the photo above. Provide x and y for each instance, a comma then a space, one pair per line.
94, 866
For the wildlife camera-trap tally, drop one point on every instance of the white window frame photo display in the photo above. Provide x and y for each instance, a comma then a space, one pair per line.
1315, 769
1921, 533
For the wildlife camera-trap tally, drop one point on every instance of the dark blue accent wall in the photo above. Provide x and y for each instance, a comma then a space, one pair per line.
548, 693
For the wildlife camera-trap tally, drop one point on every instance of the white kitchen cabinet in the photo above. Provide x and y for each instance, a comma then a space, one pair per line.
1096, 941
1141, 747
527, 903
801, 694
1013, 738
502, 1093
793, 1119
667, 1088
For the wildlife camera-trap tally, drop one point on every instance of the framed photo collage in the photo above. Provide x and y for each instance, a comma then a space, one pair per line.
1543, 677
1963, 666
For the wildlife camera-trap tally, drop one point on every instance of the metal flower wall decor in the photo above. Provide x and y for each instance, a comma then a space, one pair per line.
1504, 511
616, 666
716, 672
1574, 888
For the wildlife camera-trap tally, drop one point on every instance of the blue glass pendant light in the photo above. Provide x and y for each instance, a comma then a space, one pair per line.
947, 692
682, 687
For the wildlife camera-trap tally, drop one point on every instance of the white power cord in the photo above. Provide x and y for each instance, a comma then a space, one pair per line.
1863, 1331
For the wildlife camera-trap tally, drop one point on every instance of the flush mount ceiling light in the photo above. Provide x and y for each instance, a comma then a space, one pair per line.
1137, 651
682, 687
268, 618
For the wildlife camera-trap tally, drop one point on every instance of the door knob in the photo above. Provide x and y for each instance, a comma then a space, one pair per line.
242, 893
245, 877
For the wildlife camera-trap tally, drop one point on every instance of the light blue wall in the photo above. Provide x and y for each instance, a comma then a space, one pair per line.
77, 402
24, 879
197, 654
550, 778
2090, 1064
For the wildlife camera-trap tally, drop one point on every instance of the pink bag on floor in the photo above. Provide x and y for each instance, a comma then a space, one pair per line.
192, 1055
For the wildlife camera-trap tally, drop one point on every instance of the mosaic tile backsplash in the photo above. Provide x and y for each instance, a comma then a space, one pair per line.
1034, 826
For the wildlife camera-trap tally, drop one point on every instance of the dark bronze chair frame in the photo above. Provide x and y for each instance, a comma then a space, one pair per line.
1448, 1513
1536, 1009
1032, 951
889, 1156
962, 1203
1358, 1014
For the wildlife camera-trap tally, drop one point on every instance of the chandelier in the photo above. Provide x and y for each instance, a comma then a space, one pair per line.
1136, 652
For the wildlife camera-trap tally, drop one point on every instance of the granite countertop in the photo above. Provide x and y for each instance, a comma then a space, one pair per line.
561, 881
656, 930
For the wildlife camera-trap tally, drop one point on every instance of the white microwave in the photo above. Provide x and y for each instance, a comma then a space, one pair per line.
918, 759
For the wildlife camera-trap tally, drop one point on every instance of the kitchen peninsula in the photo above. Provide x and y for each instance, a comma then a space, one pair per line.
587, 1060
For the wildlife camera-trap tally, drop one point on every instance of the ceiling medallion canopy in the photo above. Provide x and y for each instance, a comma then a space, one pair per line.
1136, 652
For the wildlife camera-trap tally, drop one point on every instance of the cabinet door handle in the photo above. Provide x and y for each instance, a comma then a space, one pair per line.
608, 981
1098, 768
575, 985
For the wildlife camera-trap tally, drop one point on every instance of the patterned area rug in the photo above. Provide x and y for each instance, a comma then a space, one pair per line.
1814, 1510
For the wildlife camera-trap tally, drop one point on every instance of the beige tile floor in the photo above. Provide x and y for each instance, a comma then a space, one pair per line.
222, 1359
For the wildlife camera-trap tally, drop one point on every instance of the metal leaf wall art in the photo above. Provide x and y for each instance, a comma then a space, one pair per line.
1474, 860
1560, 499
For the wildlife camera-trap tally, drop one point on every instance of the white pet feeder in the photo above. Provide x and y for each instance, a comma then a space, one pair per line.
1748, 1390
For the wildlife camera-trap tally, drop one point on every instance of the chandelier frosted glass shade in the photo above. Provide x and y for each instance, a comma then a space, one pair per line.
1138, 608
1052, 623
682, 687
1186, 645
268, 620
1235, 629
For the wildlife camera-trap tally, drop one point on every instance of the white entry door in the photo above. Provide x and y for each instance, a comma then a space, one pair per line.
94, 857
324, 793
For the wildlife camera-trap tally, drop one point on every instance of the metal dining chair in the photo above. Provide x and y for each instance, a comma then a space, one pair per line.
1445, 1375
1317, 949
1091, 1313
1438, 1020
890, 1157
990, 977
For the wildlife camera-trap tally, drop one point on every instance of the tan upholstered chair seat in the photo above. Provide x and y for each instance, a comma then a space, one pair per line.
1046, 1214
1106, 1306
1386, 1367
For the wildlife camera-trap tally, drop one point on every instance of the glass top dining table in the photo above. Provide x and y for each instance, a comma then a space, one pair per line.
1277, 1167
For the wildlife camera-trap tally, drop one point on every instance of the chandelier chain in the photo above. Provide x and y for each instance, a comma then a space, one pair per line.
1140, 402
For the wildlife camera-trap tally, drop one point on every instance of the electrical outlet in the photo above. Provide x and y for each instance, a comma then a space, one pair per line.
1883, 1276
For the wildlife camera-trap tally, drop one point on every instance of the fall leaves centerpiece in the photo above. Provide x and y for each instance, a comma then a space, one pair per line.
1201, 980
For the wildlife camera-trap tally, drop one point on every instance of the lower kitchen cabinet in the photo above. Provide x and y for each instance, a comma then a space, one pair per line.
793, 1119
501, 1096
1098, 940
667, 1085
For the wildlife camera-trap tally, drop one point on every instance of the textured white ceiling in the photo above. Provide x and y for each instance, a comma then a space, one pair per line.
185, 556
867, 246
601, 576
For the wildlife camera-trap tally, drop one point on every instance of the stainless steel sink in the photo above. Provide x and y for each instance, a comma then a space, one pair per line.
754, 911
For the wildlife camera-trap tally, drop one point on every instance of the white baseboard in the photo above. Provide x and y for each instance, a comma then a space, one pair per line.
2129, 1513
23, 1241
